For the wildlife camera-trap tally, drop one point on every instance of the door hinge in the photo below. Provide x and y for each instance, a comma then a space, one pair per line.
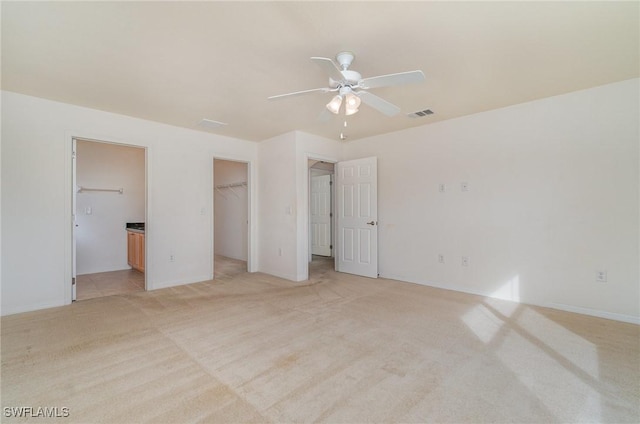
330, 182
73, 281
330, 214
331, 246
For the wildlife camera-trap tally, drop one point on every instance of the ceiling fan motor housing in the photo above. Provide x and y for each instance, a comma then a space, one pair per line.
345, 59
348, 78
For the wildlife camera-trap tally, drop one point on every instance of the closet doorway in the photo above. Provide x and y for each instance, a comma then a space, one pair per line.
109, 206
230, 217
321, 218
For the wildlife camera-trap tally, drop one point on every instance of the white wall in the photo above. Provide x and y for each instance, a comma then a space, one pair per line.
230, 210
101, 238
36, 196
309, 146
284, 205
553, 197
554, 191
277, 206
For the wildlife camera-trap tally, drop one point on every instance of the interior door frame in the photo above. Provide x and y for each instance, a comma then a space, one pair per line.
331, 209
70, 177
74, 216
251, 214
305, 236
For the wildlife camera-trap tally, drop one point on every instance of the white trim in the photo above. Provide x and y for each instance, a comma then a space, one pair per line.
10, 310
595, 313
567, 308
149, 233
70, 135
303, 230
290, 277
252, 214
67, 242
175, 283
433, 284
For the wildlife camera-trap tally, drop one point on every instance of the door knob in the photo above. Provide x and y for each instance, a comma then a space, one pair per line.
371, 223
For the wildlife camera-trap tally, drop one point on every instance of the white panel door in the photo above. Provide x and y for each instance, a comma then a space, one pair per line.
357, 206
321, 215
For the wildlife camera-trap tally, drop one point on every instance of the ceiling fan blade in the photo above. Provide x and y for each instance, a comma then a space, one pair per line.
298, 93
329, 67
378, 103
392, 79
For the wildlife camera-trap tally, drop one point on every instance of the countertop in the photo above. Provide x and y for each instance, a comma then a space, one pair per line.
135, 227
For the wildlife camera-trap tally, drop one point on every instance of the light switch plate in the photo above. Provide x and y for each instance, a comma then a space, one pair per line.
601, 275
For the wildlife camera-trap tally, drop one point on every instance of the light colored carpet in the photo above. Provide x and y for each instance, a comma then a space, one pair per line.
109, 283
228, 267
338, 348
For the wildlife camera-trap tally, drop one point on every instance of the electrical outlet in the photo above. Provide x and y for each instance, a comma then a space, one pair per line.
442, 187
601, 276
441, 258
172, 257
465, 261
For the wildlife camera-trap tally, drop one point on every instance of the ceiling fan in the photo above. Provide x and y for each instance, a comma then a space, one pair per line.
352, 88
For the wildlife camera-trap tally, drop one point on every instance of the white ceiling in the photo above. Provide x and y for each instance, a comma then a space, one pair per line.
179, 62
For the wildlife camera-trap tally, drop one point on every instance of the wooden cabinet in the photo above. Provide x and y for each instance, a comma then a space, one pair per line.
131, 249
141, 252
135, 250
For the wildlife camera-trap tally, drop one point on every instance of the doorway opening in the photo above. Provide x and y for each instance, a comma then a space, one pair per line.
354, 222
230, 217
321, 218
109, 219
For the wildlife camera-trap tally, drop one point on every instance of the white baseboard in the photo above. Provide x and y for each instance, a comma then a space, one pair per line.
290, 277
30, 308
237, 258
166, 284
108, 269
595, 312
433, 284
568, 308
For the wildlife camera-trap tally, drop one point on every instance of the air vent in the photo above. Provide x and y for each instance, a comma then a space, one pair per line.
210, 124
420, 113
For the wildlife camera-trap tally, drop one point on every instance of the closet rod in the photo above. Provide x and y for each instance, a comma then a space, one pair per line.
115, 190
242, 184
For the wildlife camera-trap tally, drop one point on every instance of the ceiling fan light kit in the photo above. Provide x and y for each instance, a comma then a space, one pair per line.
334, 104
352, 88
352, 104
